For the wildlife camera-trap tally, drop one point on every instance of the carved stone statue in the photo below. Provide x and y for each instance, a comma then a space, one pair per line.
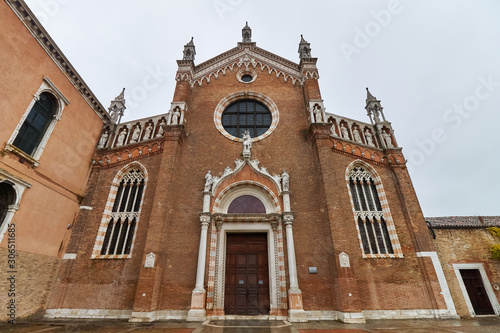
369, 138
113, 113
332, 130
355, 134
135, 135
285, 180
147, 132
121, 138
209, 180
318, 113
376, 111
345, 134
160, 128
176, 114
247, 143
387, 139
103, 140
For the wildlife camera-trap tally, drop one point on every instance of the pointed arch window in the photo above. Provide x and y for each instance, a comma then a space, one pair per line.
36, 123
376, 230
35, 127
121, 223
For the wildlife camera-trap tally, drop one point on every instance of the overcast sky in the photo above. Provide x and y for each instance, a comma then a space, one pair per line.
435, 65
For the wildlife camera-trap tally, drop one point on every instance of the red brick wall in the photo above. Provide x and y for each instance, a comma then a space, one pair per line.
464, 246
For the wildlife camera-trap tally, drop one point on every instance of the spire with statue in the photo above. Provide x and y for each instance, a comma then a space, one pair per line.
117, 107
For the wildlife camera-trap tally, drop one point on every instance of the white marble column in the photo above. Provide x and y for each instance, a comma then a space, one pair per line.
292, 264
197, 311
296, 311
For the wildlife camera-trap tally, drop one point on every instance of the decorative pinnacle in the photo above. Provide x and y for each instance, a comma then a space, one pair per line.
304, 48
246, 34
189, 51
369, 96
121, 97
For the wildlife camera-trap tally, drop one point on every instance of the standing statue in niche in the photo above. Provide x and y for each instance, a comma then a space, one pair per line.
285, 180
147, 132
369, 138
247, 143
355, 134
387, 139
113, 113
103, 140
318, 113
176, 114
121, 138
345, 134
209, 180
376, 111
135, 135
332, 130
160, 128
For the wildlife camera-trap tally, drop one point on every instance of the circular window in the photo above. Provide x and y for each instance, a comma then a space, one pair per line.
247, 78
246, 75
246, 110
246, 114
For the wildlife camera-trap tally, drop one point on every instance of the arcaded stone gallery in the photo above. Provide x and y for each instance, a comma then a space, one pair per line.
246, 199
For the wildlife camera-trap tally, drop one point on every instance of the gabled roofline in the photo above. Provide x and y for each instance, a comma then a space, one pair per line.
252, 47
21, 9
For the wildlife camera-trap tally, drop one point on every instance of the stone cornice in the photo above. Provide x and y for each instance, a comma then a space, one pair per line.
246, 217
34, 26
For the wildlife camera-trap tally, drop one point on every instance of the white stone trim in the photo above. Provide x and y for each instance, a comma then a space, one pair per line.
274, 284
46, 86
86, 207
410, 314
19, 185
69, 256
445, 291
87, 313
137, 317
486, 283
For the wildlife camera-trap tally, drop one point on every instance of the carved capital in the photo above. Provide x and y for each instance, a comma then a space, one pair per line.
288, 218
205, 219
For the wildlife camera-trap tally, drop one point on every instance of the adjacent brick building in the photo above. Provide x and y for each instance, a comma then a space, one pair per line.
246, 199
50, 124
463, 244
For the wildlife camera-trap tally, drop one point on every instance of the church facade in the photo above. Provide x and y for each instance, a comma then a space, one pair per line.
247, 199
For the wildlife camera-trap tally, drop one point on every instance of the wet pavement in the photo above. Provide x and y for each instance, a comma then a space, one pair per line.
478, 325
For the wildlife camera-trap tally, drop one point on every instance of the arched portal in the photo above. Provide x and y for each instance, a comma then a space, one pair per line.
247, 265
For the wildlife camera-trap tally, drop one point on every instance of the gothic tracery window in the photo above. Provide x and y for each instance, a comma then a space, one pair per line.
372, 226
124, 214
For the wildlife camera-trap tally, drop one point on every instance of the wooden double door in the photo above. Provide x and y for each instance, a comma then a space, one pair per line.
247, 275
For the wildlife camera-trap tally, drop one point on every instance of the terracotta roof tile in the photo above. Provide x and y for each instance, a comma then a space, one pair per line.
445, 222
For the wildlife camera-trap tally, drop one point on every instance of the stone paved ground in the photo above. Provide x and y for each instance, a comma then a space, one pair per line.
480, 325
